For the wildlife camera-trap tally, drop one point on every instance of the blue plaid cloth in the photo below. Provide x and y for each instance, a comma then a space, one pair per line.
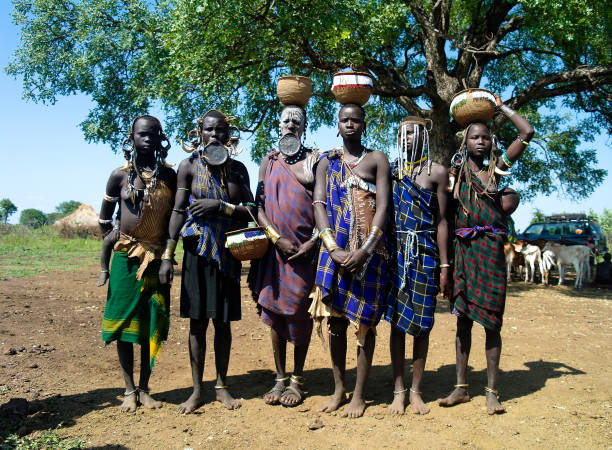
360, 300
211, 230
412, 300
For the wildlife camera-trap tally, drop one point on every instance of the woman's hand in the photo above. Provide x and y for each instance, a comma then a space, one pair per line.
166, 272
286, 247
204, 207
446, 285
339, 256
305, 251
498, 100
355, 261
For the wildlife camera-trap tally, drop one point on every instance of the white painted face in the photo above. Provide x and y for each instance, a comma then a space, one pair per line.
292, 121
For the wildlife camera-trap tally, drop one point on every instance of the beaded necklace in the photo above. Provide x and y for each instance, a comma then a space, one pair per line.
295, 158
356, 161
149, 181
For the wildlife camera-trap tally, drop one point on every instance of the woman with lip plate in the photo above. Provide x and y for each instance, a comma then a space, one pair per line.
282, 280
479, 291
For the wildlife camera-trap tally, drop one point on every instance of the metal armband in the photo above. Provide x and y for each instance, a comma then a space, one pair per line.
272, 234
372, 240
508, 112
169, 251
226, 208
329, 240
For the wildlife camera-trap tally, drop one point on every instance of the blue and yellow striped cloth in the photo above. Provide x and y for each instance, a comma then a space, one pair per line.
360, 300
211, 230
412, 300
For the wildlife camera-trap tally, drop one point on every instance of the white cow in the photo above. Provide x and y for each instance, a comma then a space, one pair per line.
577, 255
531, 254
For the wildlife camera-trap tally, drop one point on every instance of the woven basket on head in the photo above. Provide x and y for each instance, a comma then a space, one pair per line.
473, 105
294, 90
352, 87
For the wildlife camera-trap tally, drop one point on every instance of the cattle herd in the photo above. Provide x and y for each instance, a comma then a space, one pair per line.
546, 254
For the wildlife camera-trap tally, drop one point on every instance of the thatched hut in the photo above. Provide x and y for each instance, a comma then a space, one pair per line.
82, 222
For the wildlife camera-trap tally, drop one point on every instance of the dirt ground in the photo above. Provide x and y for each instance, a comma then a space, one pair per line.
556, 380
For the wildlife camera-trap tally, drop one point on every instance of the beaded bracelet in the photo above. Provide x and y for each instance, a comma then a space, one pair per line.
506, 161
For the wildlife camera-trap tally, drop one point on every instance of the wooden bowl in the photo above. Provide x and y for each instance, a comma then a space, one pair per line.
294, 90
473, 105
352, 87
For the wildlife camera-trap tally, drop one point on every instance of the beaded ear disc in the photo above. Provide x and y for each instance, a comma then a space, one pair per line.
215, 154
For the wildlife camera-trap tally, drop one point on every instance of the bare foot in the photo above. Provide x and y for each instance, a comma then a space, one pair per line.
228, 401
194, 401
129, 403
355, 408
459, 395
399, 403
336, 400
147, 401
493, 405
417, 404
272, 397
292, 396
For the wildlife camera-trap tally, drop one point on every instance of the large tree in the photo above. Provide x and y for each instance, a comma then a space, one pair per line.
549, 59
7, 209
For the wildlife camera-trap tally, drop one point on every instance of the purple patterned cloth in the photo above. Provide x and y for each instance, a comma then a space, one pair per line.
477, 230
282, 287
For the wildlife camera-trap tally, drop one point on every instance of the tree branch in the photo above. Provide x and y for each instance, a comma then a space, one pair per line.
575, 81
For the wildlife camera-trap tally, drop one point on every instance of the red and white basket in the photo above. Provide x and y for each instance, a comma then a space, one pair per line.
352, 87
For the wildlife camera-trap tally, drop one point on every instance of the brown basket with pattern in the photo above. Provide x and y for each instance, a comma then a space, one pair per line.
473, 105
294, 90
247, 243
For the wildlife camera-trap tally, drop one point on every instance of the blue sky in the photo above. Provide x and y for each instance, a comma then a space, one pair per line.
45, 159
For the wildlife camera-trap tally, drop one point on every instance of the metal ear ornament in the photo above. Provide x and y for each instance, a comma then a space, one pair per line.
193, 138
456, 162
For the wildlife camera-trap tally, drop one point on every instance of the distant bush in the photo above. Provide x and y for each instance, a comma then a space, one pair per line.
34, 218
67, 208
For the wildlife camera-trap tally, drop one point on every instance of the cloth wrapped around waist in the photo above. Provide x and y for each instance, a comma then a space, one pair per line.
143, 250
477, 230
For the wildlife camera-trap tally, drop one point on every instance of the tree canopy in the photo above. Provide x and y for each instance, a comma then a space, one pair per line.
34, 218
7, 209
187, 56
67, 207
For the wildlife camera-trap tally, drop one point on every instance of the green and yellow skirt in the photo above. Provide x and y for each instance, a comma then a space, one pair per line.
137, 311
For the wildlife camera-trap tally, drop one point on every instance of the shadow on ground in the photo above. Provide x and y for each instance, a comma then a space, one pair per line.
56, 411
438, 384
63, 410
512, 384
